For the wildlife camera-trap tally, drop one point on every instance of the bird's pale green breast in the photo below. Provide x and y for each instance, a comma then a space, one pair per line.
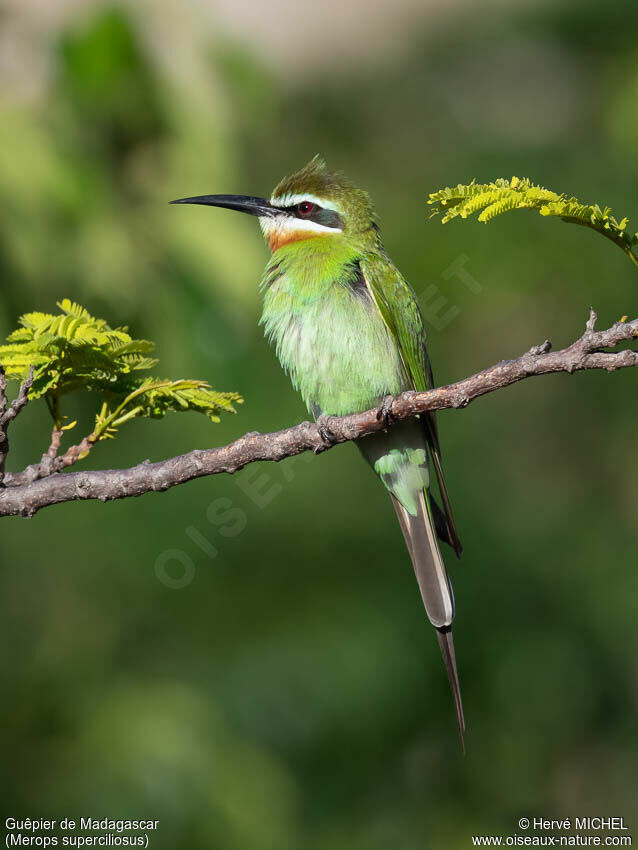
327, 329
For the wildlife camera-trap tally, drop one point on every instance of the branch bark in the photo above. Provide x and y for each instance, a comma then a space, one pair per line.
25, 499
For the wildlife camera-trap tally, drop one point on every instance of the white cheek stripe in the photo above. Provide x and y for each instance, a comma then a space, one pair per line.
290, 201
283, 226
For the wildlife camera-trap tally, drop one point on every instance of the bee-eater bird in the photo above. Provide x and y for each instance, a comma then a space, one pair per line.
348, 330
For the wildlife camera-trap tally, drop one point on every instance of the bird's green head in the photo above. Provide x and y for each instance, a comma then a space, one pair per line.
311, 203
315, 201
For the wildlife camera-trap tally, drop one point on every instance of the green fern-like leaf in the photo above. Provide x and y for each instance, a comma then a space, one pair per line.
72, 309
73, 351
154, 398
500, 196
158, 398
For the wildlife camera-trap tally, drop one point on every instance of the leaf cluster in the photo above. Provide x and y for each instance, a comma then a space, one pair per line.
500, 196
75, 351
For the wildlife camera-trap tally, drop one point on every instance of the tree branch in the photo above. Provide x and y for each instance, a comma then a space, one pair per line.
586, 353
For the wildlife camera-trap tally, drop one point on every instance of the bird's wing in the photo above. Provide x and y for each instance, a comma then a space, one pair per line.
399, 307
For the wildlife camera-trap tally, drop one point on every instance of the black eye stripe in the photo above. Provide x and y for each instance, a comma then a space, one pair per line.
320, 215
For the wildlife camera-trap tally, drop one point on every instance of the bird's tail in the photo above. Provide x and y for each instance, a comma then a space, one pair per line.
436, 591
400, 458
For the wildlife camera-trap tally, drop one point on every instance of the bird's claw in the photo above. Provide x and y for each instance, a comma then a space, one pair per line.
385, 411
325, 431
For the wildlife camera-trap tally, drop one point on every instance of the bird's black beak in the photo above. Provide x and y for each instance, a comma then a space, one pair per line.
242, 203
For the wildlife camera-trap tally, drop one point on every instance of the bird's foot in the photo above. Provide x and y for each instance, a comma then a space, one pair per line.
385, 411
325, 431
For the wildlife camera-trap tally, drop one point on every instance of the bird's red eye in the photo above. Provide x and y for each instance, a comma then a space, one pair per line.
306, 208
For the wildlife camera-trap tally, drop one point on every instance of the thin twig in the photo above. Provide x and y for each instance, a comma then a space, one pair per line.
49, 464
4, 442
9, 412
56, 442
3, 393
586, 353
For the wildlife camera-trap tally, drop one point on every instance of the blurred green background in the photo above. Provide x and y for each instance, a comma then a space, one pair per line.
246, 658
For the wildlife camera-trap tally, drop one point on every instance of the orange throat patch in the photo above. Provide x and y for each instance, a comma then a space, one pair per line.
277, 238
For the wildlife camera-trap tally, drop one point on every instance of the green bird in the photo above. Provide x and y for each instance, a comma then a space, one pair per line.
347, 329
